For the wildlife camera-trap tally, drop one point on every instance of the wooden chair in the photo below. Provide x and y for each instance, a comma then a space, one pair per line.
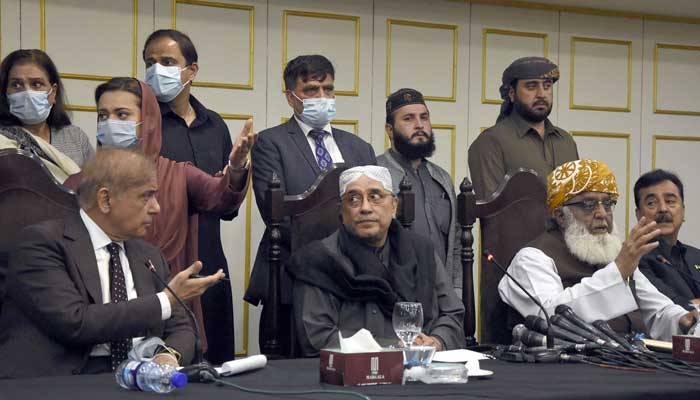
313, 215
28, 194
513, 216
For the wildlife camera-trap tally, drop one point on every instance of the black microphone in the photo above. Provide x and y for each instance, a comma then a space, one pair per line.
566, 312
605, 328
537, 342
200, 370
538, 324
550, 335
563, 323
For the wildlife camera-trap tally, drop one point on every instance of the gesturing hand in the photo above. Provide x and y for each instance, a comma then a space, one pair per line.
637, 244
188, 289
241, 148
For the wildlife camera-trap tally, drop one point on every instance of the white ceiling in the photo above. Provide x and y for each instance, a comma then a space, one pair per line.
676, 8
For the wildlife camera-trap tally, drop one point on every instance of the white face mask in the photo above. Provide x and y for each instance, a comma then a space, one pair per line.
165, 81
115, 133
30, 106
318, 112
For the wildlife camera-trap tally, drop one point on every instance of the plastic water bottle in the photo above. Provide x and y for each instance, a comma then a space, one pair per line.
148, 376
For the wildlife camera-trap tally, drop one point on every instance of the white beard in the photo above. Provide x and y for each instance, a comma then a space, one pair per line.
599, 249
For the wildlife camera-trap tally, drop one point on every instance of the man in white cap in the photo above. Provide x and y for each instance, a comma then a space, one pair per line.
351, 279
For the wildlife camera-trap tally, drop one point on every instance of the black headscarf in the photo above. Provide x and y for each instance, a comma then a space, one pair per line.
524, 68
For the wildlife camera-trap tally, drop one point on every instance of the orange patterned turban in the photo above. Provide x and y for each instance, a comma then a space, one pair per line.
575, 177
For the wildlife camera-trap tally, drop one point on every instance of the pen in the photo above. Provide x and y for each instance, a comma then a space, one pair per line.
193, 276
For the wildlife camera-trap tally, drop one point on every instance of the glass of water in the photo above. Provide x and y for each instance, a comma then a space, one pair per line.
407, 321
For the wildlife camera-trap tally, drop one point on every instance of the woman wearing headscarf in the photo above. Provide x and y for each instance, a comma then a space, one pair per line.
33, 115
129, 117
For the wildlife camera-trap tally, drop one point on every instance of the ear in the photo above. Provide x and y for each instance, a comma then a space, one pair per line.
194, 68
104, 203
394, 206
558, 215
638, 213
54, 94
389, 133
511, 93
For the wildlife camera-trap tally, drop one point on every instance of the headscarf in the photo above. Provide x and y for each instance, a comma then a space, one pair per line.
403, 97
380, 174
574, 177
524, 68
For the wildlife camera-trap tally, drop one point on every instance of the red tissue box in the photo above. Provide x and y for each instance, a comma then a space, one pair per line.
350, 369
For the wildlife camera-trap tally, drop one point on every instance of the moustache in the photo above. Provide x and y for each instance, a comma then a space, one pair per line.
663, 217
541, 103
421, 133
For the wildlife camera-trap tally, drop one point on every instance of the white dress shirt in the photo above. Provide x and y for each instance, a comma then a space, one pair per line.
328, 141
100, 240
604, 295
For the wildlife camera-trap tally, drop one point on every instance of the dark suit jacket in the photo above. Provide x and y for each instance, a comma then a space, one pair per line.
667, 279
53, 314
284, 150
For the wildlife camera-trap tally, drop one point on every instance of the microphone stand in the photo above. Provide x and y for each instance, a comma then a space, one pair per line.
550, 333
200, 370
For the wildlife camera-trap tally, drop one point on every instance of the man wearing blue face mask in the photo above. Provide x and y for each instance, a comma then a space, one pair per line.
192, 133
297, 151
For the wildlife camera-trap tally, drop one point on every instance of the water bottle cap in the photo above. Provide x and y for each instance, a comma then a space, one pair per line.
178, 379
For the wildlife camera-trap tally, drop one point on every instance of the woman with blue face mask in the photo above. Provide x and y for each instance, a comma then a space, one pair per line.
128, 116
33, 115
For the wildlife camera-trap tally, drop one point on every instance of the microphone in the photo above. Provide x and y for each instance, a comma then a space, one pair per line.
605, 328
538, 324
200, 370
537, 342
550, 335
566, 312
563, 323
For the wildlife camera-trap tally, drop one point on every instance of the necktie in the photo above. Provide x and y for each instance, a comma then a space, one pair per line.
323, 157
117, 292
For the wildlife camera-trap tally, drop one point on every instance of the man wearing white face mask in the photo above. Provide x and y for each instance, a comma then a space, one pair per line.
193, 133
298, 150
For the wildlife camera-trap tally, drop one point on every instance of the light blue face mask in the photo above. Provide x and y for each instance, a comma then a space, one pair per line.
165, 82
30, 106
318, 112
115, 133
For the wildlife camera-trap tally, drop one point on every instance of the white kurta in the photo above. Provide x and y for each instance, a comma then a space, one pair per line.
604, 295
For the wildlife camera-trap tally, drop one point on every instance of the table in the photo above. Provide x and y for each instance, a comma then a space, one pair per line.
510, 381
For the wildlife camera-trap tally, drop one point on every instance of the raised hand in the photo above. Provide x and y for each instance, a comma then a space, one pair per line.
637, 244
241, 148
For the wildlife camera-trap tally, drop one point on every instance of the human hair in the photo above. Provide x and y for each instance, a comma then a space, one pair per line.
183, 41
391, 118
115, 169
314, 67
58, 117
655, 177
125, 84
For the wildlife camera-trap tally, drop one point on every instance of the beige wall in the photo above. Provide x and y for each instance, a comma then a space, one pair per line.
629, 88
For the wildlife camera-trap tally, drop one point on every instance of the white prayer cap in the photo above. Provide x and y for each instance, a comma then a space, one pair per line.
379, 174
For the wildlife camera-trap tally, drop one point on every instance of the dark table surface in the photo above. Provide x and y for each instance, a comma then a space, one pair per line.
509, 381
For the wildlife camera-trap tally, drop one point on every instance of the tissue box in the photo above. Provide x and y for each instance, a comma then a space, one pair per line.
686, 348
350, 369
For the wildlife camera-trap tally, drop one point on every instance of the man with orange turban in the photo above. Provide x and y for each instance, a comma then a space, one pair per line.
580, 261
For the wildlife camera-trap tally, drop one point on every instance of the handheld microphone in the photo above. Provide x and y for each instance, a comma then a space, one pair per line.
550, 335
566, 312
538, 324
200, 370
605, 328
563, 323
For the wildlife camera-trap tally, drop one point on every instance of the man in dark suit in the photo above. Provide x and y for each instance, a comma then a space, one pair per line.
297, 151
79, 294
673, 267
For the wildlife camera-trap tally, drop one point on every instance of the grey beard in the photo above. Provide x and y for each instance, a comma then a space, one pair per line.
593, 249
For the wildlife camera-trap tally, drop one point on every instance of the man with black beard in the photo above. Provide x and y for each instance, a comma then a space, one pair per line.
524, 138
673, 267
579, 261
410, 132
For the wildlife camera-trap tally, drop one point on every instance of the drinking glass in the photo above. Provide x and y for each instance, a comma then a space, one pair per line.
407, 321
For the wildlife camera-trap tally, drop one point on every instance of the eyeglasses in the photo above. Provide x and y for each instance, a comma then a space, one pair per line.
589, 205
375, 197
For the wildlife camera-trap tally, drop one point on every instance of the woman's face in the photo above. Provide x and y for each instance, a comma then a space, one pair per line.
30, 76
119, 105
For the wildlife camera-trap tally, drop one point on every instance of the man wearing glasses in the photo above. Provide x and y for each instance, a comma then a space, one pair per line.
580, 261
352, 279
673, 267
